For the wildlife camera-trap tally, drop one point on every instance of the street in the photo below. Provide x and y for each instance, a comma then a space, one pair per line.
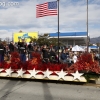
17, 89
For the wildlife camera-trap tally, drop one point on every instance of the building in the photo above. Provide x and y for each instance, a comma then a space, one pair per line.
71, 38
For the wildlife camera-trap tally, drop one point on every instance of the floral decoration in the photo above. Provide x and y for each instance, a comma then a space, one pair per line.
84, 64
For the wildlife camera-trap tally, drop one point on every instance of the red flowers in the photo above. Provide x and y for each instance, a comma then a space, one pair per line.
4, 65
85, 63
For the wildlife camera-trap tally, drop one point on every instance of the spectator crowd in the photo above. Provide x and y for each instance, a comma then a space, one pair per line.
48, 53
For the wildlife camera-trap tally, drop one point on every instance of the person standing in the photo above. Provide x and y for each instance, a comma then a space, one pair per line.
23, 51
64, 56
45, 54
30, 50
75, 57
53, 56
11, 47
18, 45
2, 52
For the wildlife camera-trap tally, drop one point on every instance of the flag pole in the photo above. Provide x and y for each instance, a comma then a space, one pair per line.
58, 31
87, 29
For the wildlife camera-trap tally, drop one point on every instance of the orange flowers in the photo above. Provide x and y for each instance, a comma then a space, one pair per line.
34, 61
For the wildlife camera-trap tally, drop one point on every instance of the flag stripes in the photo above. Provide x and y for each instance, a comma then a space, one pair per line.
46, 9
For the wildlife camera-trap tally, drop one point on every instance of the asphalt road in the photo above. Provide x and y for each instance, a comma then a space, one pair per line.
32, 90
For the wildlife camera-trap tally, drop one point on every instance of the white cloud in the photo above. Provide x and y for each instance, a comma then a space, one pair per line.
4, 34
72, 18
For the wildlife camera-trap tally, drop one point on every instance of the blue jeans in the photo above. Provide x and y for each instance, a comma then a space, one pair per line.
23, 57
1, 58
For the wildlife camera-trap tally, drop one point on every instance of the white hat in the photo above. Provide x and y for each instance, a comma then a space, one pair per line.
75, 52
60, 50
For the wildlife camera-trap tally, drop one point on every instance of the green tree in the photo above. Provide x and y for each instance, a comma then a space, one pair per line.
46, 40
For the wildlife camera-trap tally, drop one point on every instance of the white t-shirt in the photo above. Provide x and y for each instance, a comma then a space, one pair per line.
74, 58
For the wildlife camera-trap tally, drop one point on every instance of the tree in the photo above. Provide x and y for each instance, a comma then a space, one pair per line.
7, 39
33, 39
46, 40
4, 42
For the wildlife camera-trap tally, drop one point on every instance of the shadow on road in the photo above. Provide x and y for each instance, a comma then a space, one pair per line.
8, 87
47, 93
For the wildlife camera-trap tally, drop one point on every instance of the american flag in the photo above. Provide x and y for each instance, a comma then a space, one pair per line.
46, 9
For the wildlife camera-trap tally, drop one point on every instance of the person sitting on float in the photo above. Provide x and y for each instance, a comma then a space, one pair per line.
75, 57
64, 56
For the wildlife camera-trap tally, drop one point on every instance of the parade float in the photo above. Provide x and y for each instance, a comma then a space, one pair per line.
85, 69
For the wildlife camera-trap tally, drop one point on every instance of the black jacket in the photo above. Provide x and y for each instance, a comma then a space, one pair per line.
2, 49
30, 47
22, 48
45, 53
11, 47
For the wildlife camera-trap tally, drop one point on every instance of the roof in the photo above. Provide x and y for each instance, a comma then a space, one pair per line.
68, 34
93, 47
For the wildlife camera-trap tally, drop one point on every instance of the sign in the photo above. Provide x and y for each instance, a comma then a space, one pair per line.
26, 36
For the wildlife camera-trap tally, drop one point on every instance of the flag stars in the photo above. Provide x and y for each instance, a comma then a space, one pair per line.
52, 5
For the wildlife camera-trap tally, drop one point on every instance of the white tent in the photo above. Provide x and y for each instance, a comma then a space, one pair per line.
77, 48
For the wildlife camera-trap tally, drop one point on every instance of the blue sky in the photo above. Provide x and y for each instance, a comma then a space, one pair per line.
22, 16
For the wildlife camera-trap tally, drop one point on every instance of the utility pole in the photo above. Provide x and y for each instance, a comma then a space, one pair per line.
87, 28
58, 31
99, 53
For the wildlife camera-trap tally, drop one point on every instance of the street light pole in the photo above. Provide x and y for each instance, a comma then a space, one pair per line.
99, 53
58, 31
87, 28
